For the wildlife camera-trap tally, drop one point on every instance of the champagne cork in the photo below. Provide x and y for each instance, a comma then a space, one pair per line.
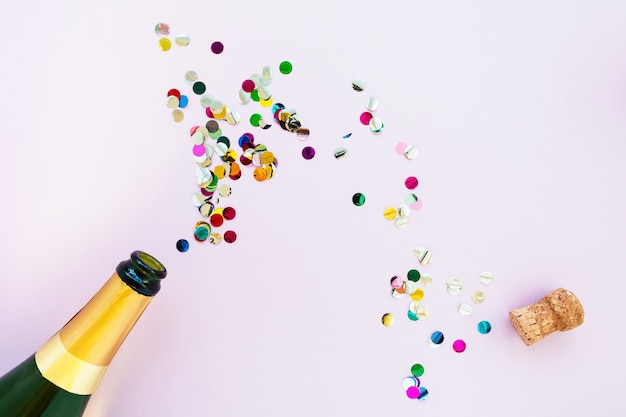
557, 310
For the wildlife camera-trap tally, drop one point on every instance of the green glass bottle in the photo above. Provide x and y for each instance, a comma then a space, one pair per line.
58, 380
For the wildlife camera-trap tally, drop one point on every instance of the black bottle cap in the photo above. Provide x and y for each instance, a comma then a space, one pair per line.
142, 272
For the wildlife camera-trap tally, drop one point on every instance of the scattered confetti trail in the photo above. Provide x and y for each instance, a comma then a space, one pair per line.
221, 161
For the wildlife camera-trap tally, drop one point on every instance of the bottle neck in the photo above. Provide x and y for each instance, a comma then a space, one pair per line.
76, 357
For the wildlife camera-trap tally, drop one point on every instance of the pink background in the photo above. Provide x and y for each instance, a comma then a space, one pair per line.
518, 110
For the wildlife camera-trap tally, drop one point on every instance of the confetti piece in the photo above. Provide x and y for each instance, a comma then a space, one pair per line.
459, 346
484, 327
285, 67
217, 47
182, 245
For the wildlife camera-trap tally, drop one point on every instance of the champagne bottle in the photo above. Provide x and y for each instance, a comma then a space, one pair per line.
58, 380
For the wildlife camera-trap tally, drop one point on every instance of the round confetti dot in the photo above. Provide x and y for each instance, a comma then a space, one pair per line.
340, 153
365, 118
358, 199
484, 327
478, 297
225, 190
173, 92
303, 134
410, 381
265, 103
423, 255
260, 174
417, 370
285, 67
230, 236
165, 44
411, 152
454, 286
372, 104
396, 282
412, 316
418, 294
376, 125
410, 199
182, 245
418, 308
216, 220
358, 84
459, 346
388, 319
215, 238
466, 309
254, 95
423, 394
417, 205
229, 213
413, 392
486, 278
390, 213
191, 77
436, 338
217, 47
182, 40
162, 29
201, 234
183, 101
426, 280
199, 87
247, 86
255, 119
308, 153
400, 147
178, 115
411, 183
413, 275
172, 102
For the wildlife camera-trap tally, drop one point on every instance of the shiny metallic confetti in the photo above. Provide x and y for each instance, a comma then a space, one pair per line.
454, 286
182, 40
423, 394
411, 183
426, 280
162, 29
466, 309
423, 255
358, 84
410, 381
436, 339
401, 222
478, 297
358, 199
486, 278
484, 327
411, 152
308, 152
230, 236
182, 245
340, 153
388, 319
417, 370
372, 104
